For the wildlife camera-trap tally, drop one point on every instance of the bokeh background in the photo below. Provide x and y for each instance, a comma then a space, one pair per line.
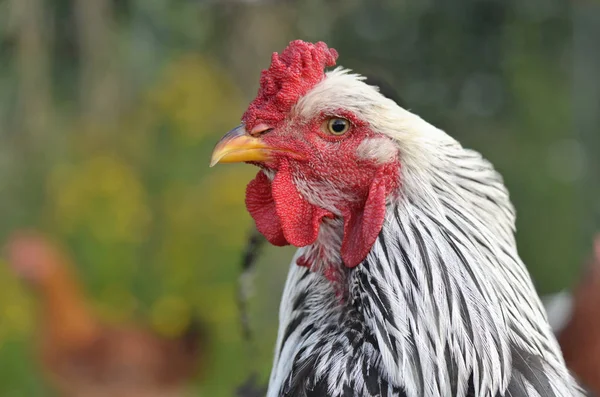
109, 110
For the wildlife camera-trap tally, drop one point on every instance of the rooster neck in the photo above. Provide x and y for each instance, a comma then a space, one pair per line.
442, 305
323, 256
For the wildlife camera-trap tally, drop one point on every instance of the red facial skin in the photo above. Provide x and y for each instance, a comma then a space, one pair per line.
284, 216
362, 187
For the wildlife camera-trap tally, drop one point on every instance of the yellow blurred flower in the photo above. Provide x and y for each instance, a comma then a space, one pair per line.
215, 207
116, 303
103, 195
16, 307
197, 96
223, 209
170, 315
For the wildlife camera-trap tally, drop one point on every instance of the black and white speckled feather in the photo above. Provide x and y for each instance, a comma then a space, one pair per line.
441, 306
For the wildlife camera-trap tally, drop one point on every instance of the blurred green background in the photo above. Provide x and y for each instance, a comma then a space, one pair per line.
109, 110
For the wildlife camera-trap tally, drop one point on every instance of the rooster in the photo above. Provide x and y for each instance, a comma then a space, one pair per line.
407, 281
84, 357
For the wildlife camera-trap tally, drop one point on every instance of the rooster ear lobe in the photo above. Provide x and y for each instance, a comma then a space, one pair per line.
362, 226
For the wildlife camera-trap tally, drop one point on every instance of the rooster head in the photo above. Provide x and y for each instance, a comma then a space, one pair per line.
318, 140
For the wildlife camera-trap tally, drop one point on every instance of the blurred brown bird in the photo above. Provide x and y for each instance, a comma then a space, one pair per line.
84, 357
579, 338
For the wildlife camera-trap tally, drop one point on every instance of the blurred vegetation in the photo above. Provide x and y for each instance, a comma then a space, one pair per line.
109, 111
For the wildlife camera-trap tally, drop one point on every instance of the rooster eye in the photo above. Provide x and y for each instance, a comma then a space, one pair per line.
338, 126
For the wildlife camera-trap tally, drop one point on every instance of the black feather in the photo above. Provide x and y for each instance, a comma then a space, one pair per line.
531, 367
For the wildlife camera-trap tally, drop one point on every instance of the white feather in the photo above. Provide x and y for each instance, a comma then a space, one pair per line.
460, 274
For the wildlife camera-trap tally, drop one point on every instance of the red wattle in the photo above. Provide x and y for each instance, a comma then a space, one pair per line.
300, 219
281, 214
284, 217
260, 205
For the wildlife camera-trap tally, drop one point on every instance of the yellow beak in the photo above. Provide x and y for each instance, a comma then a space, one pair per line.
237, 146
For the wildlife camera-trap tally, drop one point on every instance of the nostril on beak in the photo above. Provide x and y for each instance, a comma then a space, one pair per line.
259, 129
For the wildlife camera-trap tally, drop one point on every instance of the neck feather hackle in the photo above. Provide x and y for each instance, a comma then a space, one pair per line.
443, 292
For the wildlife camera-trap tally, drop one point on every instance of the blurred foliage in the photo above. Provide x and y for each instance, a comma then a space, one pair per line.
108, 114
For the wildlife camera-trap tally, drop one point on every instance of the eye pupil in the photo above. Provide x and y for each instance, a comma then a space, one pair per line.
338, 126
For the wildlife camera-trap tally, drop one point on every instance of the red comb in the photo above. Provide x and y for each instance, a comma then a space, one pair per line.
292, 74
